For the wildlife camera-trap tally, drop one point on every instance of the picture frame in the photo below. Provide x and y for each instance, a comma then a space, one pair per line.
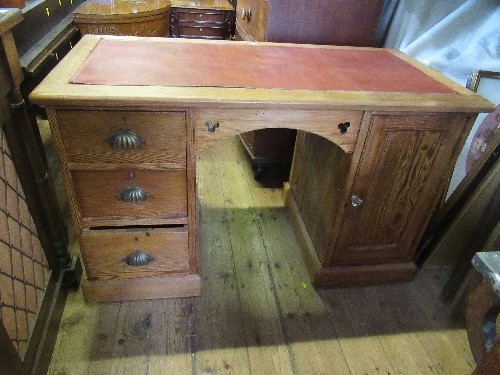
484, 136
478, 156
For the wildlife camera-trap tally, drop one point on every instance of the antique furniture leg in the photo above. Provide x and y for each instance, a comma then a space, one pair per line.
483, 308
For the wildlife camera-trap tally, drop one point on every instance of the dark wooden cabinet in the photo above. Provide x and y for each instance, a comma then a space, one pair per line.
207, 19
336, 22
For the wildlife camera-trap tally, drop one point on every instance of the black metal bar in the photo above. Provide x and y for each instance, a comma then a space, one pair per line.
44, 202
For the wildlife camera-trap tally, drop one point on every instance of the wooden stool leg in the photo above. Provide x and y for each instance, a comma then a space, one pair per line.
482, 309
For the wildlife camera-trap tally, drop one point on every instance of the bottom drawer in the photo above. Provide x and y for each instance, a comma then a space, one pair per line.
137, 252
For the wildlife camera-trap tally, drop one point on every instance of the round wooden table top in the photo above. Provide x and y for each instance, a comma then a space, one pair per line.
119, 9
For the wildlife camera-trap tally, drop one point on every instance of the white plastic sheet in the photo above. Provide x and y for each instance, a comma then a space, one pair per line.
455, 37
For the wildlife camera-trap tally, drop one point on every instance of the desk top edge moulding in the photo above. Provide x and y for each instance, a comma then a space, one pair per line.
380, 130
457, 98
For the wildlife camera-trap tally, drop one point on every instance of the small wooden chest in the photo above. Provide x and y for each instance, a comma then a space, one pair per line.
123, 17
208, 19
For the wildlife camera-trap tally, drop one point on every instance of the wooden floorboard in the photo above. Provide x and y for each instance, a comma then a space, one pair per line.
258, 313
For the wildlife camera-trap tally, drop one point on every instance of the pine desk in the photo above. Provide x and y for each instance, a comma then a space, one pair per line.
378, 138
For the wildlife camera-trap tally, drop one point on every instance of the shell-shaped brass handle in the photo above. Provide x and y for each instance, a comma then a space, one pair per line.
124, 138
132, 194
138, 258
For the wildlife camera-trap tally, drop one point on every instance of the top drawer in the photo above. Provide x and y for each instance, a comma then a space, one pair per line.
123, 137
251, 17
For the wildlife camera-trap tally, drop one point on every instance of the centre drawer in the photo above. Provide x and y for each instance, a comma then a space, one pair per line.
138, 252
123, 137
128, 194
339, 126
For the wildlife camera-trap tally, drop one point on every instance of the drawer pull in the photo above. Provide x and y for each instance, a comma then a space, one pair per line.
246, 13
133, 194
138, 258
125, 138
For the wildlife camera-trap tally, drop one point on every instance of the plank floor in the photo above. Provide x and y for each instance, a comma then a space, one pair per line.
258, 313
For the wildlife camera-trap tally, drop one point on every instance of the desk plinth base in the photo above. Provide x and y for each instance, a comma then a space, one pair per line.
346, 276
142, 288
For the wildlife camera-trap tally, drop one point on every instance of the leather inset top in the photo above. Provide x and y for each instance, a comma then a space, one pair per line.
152, 62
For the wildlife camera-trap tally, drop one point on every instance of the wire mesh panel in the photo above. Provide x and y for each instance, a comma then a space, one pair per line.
24, 273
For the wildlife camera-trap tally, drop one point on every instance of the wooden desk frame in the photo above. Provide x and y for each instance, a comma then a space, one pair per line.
231, 111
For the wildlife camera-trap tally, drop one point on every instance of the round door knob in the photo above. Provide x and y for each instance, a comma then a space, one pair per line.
356, 201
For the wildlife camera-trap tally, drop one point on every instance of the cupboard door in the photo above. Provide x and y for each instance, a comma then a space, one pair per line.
400, 179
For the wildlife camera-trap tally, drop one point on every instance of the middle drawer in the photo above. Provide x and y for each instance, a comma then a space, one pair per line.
130, 194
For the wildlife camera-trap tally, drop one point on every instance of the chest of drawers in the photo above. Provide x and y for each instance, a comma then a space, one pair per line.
368, 169
207, 19
337, 22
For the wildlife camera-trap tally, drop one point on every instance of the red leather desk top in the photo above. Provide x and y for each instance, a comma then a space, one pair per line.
169, 63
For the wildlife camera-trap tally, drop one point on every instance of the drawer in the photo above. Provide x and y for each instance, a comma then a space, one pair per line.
124, 137
201, 32
130, 194
136, 252
343, 125
251, 17
201, 16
